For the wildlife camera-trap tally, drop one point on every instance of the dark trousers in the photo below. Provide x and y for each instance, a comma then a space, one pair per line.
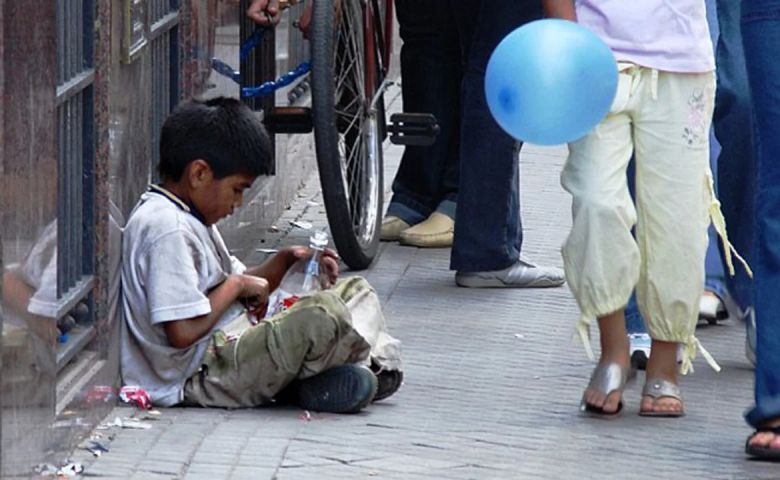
431, 77
761, 40
488, 230
736, 168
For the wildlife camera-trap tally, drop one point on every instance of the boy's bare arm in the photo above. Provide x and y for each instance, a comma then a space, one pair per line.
274, 268
560, 9
184, 333
277, 265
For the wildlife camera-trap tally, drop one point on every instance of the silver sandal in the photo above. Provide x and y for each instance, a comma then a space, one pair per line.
657, 388
606, 378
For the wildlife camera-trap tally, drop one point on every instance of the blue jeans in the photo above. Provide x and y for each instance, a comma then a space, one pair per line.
488, 230
427, 178
761, 36
736, 168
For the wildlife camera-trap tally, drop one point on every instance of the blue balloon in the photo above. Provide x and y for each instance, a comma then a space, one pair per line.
550, 82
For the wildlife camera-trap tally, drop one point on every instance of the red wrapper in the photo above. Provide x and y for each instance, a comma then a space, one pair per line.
289, 301
136, 396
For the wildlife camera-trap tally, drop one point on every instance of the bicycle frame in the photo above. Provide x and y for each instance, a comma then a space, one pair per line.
388, 50
377, 41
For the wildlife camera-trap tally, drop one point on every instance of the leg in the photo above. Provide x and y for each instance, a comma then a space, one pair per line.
736, 165
430, 73
761, 33
366, 317
601, 258
711, 305
638, 339
671, 135
312, 337
488, 232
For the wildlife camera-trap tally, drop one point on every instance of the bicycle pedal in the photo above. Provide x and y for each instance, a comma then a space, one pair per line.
289, 120
418, 129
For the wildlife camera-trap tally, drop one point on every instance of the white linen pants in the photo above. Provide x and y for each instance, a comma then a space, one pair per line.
662, 118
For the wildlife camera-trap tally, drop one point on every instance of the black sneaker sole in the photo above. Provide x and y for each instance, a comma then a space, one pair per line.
344, 389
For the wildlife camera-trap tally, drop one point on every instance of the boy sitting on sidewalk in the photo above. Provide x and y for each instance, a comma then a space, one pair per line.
182, 292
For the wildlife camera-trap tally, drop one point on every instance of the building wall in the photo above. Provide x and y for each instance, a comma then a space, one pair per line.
27, 206
47, 409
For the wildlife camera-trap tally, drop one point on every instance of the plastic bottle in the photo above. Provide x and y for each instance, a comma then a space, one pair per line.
302, 279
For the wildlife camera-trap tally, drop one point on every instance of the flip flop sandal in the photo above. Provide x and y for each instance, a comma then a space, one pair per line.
658, 388
606, 378
763, 453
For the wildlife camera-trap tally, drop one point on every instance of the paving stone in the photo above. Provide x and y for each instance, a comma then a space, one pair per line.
491, 389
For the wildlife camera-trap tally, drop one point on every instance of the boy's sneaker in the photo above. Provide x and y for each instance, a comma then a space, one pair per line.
389, 381
344, 389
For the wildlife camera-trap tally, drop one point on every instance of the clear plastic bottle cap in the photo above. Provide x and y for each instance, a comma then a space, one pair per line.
319, 240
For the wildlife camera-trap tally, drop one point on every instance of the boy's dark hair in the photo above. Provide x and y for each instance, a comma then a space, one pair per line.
222, 131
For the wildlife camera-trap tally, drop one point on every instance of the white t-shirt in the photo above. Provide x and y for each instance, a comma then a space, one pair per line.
170, 261
668, 35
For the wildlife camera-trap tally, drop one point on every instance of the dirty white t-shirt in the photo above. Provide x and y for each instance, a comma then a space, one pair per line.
170, 261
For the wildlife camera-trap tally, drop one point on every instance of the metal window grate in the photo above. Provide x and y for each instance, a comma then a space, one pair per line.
76, 143
164, 16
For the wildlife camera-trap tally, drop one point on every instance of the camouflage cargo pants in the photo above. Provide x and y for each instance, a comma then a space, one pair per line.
246, 365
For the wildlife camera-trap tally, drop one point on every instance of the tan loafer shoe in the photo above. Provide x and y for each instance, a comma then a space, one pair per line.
434, 232
392, 227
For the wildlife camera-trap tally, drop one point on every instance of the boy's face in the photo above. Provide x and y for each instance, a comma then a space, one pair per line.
216, 198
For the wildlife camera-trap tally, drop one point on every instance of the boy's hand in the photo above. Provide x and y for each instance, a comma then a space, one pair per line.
264, 12
254, 294
329, 262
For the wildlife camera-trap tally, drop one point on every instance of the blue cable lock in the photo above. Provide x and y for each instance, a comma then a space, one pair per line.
268, 87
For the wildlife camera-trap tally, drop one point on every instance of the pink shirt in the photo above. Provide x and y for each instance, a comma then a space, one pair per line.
668, 35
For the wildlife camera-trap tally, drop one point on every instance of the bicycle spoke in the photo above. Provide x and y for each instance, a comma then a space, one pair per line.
357, 130
351, 124
346, 67
349, 54
348, 110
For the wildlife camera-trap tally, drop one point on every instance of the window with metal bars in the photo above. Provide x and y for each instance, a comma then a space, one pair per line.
76, 176
164, 46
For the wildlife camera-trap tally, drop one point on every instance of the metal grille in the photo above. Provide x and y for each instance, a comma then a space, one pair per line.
164, 16
76, 143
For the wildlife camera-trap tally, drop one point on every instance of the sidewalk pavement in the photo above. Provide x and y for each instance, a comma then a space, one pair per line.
492, 385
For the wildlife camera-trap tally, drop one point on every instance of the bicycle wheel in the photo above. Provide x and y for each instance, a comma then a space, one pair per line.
348, 129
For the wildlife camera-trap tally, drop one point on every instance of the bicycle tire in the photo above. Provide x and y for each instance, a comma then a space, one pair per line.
348, 135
